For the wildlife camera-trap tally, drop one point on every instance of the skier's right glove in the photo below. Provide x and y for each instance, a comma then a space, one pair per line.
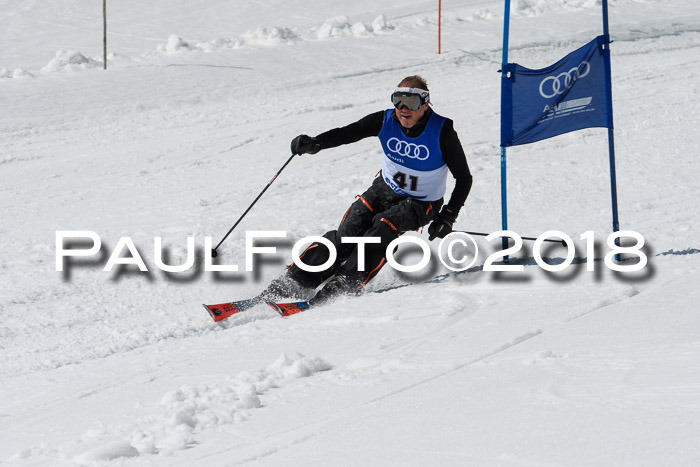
304, 144
442, 225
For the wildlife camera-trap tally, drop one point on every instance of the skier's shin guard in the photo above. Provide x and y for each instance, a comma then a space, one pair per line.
374, 257
317, 254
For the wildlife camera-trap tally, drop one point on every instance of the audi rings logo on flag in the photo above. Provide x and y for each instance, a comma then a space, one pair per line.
556, 85
410, 150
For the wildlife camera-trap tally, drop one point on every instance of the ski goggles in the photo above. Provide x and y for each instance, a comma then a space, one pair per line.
410, 98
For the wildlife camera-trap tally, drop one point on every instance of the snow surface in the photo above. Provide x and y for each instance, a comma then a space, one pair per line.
189, 123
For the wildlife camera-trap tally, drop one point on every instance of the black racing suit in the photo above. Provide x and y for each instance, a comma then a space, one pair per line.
380, 211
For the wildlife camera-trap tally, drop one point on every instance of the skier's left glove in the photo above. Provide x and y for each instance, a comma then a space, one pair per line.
304, 144
442, 225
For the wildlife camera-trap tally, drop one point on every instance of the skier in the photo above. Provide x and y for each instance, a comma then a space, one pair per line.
420, 147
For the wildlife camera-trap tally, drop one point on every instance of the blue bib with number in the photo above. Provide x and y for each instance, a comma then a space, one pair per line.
414, 166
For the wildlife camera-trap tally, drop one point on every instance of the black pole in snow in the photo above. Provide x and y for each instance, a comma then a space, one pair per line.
104, 33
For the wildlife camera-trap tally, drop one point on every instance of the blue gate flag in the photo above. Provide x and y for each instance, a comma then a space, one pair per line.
567, 96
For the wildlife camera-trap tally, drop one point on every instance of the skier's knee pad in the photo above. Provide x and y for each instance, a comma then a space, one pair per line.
356, 219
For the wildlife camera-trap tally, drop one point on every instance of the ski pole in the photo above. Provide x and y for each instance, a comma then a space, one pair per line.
561, 242
213, 251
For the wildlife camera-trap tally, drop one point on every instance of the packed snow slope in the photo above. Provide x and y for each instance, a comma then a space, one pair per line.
190, 121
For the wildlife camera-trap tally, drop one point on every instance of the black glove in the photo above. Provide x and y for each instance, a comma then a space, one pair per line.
304, 144
442, 225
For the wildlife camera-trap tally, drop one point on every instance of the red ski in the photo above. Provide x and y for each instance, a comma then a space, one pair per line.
225, 310
288, 309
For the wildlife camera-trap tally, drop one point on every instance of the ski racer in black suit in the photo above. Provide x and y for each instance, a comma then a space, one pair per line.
420, 149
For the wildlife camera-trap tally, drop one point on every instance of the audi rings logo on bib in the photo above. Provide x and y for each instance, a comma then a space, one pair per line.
410, 150
556, 85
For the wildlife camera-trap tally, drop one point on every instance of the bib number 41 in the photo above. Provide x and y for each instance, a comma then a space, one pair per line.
400, 180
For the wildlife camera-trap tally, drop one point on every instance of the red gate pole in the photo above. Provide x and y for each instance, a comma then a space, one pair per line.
439, 26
